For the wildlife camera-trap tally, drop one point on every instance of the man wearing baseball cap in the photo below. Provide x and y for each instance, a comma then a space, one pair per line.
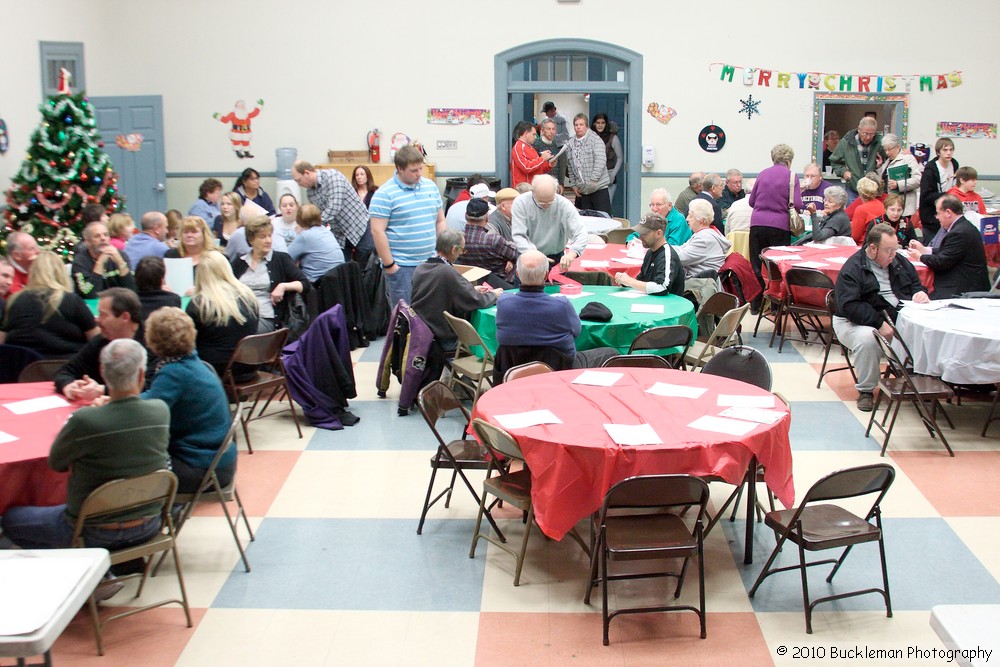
661, 271
485, 249
456, 214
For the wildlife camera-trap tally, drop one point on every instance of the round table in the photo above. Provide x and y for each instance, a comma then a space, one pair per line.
610, 257
573, 464
619, 332
959, 344
25, 476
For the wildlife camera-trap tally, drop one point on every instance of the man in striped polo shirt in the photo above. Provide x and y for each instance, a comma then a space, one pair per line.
407, 215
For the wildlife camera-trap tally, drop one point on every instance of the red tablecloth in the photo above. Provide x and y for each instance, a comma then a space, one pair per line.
25, 477
831, 269
573, 464
612, 251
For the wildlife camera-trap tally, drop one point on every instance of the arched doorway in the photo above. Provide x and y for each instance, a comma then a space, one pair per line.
609, 75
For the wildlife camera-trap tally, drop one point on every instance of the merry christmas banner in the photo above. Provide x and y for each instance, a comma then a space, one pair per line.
835, 81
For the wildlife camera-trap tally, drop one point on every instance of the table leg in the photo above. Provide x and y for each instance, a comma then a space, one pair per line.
751, 482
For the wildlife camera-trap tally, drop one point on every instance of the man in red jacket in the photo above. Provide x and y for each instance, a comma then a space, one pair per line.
525, 162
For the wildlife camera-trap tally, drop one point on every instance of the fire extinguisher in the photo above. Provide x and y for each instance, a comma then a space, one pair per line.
373, 146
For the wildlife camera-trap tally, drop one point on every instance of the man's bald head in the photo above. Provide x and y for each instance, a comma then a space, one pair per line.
154, 223
532, 267
544, 188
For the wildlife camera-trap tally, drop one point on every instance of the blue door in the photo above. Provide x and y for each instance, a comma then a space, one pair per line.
615, 104
132, 131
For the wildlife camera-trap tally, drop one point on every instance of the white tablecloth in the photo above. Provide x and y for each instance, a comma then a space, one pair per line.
959, 343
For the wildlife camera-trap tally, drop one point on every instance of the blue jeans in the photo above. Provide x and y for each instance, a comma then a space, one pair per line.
50, 528
399, 285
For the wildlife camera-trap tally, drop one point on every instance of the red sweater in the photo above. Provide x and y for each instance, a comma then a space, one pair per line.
864, 214
525, 163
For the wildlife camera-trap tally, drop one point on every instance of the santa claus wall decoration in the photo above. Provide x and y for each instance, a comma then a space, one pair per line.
239, 120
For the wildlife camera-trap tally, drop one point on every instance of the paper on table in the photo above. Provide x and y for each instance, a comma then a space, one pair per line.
596, 246
628, 261
811, 264
930, 305
740, 401
526, 419
575, 296
633, 434
679, 390
40, 586
30, 405
180, 274
754, 415
6, 437
785, 248
597, 378
647, 308
813, 244
783, 258
836, 260
628, 294
593, 264
722, 425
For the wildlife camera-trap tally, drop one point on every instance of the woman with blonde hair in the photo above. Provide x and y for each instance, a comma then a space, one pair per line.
46, 315
871, 208
229, 218
224, 311
196, 241
120, 229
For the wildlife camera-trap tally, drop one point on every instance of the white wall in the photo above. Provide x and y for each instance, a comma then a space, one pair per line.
330, 71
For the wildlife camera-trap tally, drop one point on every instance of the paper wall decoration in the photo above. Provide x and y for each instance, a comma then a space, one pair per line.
240, 133
711, 138
458, 116
661, 112
947, 128
837, 82
130, 142
750, 106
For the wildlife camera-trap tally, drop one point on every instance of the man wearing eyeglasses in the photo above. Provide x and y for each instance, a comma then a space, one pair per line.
859, 152
873, 283
662, 205
545, 221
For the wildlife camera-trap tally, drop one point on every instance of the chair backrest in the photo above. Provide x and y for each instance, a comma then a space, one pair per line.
618, 235
636, 361
13, 359
42, 370
741, 362
718, 305
851, 483
259, 349
467, 335
497, 440
771, 274
624, 222
648, 491
907, 361
526, 370
807, 287
896, 366
661, 338
509, 356
434, 401
155, 489
725, 331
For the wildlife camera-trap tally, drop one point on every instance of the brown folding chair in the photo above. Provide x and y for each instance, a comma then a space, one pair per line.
434, 401
154, 492
663, 339
211, 486
832, 340
772, 305
43, 370
636, 361
467, 368
618, 235
526, 370
259, 350
635, 522
513, 488
724, 335
925, 393
805, 289
715, 307
992, 414
816, 527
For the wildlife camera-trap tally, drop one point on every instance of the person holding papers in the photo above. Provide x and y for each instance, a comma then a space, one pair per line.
196, 239
661, 271
900, 173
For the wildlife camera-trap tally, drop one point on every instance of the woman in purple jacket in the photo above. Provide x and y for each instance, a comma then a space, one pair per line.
770, 202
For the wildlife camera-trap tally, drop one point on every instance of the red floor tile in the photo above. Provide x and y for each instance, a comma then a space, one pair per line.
259, 479
961, 486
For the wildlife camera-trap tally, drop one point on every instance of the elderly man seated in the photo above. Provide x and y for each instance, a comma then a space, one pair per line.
531, 318
707, 248
438, 287
485, 249
545, 221
661, 271
677, 228
873, 281
126, 437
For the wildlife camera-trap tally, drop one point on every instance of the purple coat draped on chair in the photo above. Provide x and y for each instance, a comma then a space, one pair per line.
319, 370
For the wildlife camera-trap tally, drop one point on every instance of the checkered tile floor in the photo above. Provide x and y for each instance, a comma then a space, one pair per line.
341, 578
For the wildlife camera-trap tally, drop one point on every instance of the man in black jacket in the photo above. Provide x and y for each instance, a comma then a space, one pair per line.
661, 271
959, 263
874, 281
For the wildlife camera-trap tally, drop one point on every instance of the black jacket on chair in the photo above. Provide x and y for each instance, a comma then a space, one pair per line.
342, 284
959, 265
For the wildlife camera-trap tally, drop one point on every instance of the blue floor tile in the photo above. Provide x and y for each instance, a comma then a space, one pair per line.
374, 351
841, 431
358, 564
382, 429
928, 564
789, 355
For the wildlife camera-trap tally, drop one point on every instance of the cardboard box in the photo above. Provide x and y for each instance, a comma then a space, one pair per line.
350, 157
472, 273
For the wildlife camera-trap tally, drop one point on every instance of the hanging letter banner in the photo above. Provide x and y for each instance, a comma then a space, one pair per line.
836, 82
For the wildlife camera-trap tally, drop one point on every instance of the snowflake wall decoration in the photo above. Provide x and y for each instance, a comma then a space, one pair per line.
750, 107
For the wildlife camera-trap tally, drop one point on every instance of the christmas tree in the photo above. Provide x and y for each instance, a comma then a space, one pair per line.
65, 170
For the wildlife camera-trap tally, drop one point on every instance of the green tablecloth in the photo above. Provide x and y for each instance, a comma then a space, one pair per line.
619, 332
92, 304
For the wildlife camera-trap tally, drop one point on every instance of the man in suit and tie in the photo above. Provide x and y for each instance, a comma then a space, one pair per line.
959, 262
